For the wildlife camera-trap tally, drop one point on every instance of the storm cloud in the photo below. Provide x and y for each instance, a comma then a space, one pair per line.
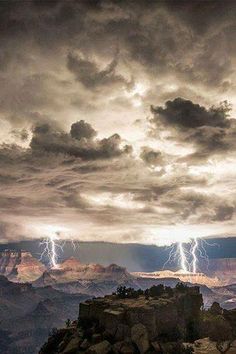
79, 143
209, 131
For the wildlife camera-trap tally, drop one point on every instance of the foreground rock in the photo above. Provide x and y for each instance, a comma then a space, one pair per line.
139, 324
205, 346
139, 336
122, 318
160, 320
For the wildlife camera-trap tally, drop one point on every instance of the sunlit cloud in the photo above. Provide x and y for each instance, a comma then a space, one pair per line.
108, 199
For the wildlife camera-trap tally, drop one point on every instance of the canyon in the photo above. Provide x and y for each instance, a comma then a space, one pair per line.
44, 298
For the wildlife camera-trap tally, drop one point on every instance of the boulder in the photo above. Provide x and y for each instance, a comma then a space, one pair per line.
145, 315
123, 347
85, 344
206, 346
110, 319
172, 347
122, 332
100, 348
62, 346
72, 346
127, 349
139, 336
156, 346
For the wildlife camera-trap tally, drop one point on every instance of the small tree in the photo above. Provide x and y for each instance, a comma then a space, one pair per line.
121, 292
68, 323
128, 293
180, 287
156, 290
169, 291
215, 309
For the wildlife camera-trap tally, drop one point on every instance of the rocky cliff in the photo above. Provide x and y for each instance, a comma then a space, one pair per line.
136, 323
224, 269
73, 271
195, 278
20, 266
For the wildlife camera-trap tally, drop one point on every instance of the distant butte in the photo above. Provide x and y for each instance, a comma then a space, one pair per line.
20, 266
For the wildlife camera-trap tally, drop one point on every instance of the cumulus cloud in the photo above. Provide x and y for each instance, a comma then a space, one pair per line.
79, 143
210, 131
184, 113
152, 157
81, 130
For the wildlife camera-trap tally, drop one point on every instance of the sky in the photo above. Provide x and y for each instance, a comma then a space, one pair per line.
117, 120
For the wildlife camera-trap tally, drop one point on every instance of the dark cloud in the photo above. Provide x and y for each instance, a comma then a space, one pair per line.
209, 130
79, 143
111, 45
224, 213
186, 114
198, 208
199, 15
89, 74
152, 157
81, 130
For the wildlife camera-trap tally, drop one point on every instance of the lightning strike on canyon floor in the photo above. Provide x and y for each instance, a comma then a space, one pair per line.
188, 257
51, 249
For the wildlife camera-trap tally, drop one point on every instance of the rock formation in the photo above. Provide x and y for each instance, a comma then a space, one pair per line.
72, 270
195, 278
224, 269
20, 266
137, 324
159, 315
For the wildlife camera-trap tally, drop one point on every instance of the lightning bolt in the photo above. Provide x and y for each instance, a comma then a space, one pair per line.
74, 245
203, 252
193, 252
183, 257
173, 255
189, 259
178, 253
52, 249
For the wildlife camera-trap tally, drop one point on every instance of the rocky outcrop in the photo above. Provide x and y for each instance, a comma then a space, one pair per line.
139, 336
132, 325
73, 271
188, 277
158, 315
205, 346
103, 347
20, 266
